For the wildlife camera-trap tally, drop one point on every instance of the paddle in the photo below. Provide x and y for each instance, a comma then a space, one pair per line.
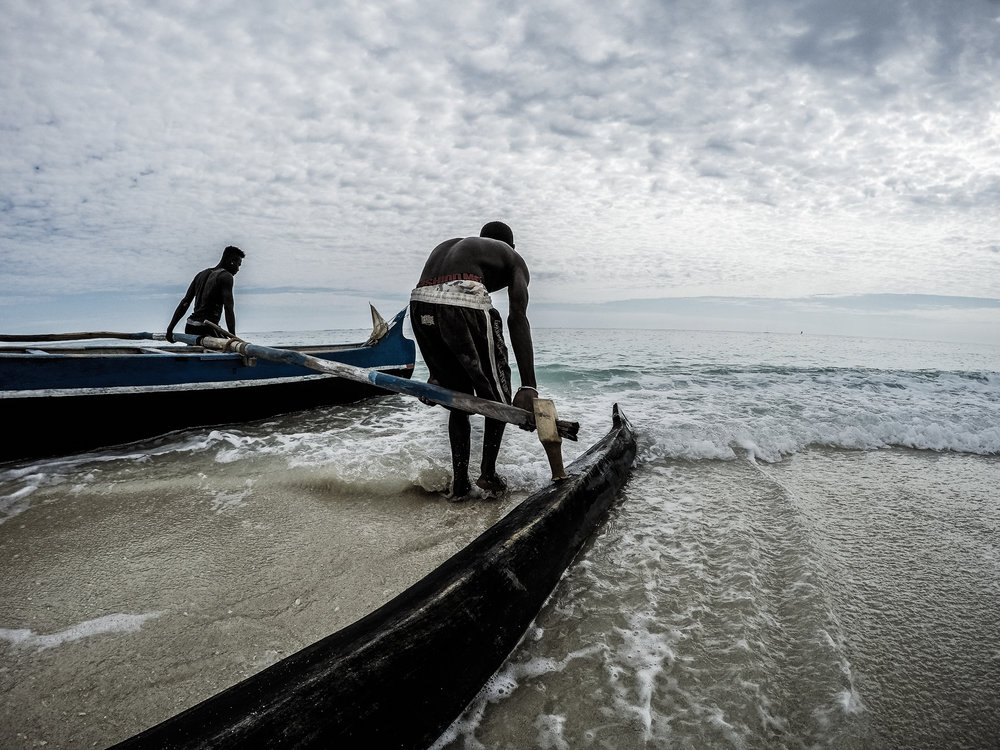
425, 391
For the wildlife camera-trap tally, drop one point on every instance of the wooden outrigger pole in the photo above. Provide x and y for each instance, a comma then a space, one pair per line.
22, 338
424, 391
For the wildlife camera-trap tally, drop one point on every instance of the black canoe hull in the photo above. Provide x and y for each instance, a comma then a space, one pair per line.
399, 676
57, 426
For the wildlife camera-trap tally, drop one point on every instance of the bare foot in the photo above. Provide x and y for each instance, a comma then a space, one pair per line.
494, 484
459, 493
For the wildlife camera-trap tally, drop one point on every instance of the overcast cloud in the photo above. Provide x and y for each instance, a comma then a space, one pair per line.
639, 149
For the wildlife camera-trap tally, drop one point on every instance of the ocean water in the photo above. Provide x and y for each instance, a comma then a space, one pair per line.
805, 556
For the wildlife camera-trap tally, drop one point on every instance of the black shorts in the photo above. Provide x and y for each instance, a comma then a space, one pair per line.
199, 330
463, 348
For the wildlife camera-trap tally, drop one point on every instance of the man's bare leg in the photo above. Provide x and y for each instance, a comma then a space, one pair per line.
489, 480
459, 433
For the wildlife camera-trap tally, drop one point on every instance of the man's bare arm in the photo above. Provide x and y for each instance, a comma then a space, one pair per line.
228, 303
520, 336
179, 312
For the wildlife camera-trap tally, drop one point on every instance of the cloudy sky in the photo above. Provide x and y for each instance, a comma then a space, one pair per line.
696, 155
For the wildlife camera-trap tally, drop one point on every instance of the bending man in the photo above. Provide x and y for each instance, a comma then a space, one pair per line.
212, 291
460, 336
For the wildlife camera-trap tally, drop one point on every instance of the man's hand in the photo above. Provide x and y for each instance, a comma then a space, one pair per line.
524, 399
428, 402
170, 337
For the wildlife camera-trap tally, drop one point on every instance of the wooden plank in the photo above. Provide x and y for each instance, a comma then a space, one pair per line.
548, 434
545, 421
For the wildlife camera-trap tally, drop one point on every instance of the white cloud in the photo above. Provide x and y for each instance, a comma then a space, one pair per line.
675, 148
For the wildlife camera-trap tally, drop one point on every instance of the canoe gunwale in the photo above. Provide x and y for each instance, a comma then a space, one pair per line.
397, 369
172, 350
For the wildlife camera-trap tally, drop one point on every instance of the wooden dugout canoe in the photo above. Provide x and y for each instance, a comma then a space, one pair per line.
398, 677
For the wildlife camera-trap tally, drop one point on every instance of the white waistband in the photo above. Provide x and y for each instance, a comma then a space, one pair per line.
457, 293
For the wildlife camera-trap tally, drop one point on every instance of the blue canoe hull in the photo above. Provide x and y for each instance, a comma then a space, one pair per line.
70, 400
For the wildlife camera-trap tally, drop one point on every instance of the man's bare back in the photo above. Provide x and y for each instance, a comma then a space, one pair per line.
493, 261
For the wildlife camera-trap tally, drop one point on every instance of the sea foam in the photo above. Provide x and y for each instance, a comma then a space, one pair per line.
116, 623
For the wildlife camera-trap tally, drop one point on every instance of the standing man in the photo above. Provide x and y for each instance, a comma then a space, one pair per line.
460, 336
212, 291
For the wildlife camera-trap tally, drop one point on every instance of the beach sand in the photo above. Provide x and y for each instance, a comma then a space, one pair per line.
138, 598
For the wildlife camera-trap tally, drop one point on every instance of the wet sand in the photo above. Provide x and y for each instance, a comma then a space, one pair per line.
218, 576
